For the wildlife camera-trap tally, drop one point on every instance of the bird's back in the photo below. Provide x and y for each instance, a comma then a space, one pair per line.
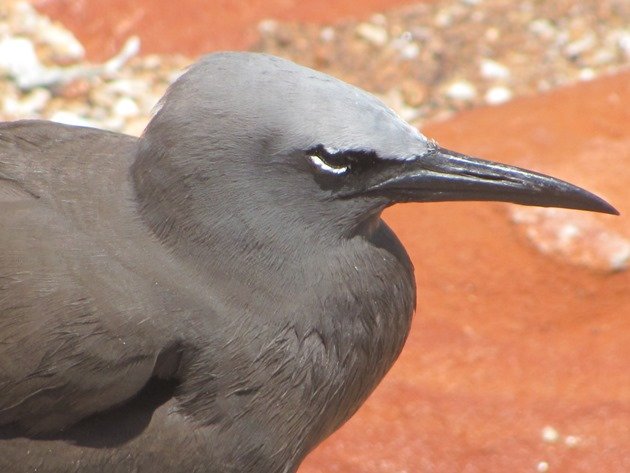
73, 294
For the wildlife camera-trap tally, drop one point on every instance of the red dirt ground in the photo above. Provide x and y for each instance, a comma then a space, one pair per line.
506, 340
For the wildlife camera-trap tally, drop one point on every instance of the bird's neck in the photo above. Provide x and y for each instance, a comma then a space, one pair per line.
216, 237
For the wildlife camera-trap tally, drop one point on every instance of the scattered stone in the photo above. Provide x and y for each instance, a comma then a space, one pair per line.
126, 107
549, 434
327, 34
373, 34
492, 34
461, 90
587, 74
70, 118
443, 18
623, 39
498, 95
490, 69
18, 58
408, 49
29, 105
580, 46
268, 26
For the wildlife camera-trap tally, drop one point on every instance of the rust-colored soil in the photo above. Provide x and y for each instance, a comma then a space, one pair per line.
506, 340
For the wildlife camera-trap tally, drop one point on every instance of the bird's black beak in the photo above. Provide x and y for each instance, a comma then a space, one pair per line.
443, 175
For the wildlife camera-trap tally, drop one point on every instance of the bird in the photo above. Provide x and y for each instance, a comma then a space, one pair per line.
219, 294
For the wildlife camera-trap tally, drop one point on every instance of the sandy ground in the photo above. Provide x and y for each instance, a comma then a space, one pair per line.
518, 358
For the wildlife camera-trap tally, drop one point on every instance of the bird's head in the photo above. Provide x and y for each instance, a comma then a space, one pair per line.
246, 134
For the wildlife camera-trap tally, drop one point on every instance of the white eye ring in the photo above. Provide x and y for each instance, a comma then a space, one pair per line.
323, 166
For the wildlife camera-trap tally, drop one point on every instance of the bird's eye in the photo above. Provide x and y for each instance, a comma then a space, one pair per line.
326, 167
329, 162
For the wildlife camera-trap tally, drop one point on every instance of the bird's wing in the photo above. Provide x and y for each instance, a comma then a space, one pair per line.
76, 332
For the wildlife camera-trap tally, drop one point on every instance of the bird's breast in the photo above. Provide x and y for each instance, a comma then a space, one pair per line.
304, 355
345, 331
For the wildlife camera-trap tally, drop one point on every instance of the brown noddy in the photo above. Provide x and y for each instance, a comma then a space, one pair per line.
220, 294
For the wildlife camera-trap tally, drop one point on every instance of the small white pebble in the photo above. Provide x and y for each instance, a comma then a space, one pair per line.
493, 70
406, 36
410, 51
461, 90
374, 34
30, 104
579, 46
586, 74
18, 57
130, 87
620, 259
498, 95
549, 434
444, 18
267, 26
126, 107
327, 34
603, 56
69, 118
623, 40
568, 233
63, 42
542, 28
542, 466
11, 106
492, 34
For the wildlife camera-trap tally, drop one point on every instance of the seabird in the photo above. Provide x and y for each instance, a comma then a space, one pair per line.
220, 294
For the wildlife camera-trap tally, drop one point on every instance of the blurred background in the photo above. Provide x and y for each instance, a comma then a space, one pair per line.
519, 357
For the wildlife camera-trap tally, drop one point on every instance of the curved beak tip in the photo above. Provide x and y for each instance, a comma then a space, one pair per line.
605, 207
